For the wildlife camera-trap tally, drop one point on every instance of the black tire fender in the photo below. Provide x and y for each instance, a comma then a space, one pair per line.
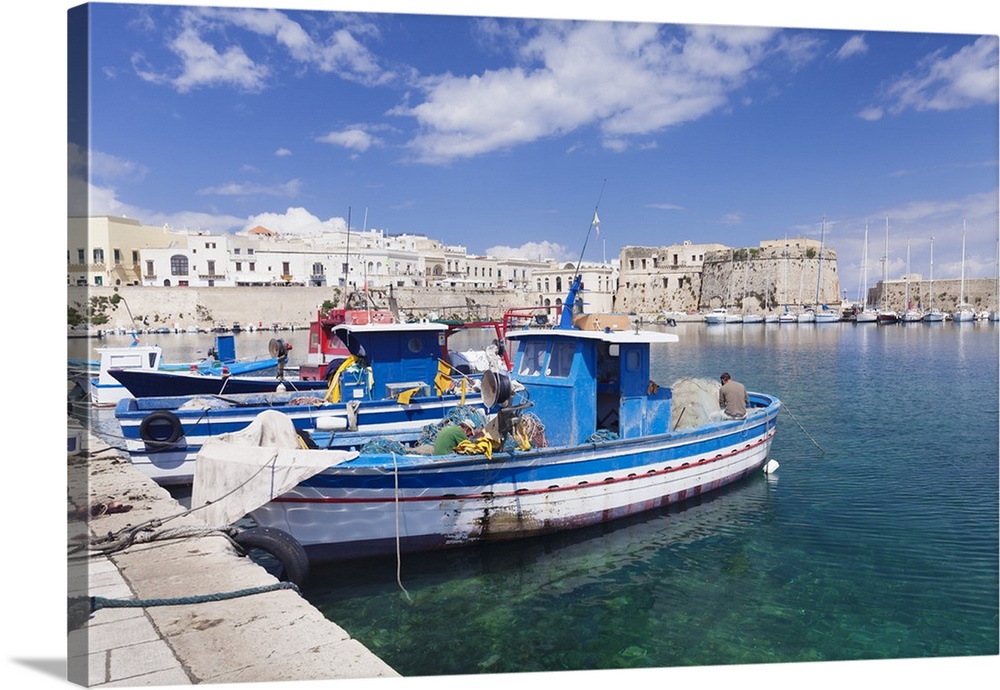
283, 547
161, 429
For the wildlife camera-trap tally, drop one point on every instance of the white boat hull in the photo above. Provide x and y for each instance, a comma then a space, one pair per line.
375, 504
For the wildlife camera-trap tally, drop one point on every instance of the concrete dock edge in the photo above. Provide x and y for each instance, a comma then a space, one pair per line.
271, 634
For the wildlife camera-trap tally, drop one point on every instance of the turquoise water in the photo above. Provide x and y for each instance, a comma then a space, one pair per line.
877, 538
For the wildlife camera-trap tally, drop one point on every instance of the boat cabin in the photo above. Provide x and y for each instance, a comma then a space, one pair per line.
598, 379
326, 352
388, 359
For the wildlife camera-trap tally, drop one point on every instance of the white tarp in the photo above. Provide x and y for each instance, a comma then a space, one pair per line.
238, 472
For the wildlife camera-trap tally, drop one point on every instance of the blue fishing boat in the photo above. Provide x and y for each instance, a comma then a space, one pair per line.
395, 381
582, 435
140, 370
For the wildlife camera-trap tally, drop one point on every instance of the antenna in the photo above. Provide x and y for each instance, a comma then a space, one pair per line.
593, 222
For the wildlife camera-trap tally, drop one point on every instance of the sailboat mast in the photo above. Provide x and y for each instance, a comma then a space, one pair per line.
885, 264
961, 294
907, 298
930, 286
819, 272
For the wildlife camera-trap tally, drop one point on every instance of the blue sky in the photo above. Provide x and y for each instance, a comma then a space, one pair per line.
504, 134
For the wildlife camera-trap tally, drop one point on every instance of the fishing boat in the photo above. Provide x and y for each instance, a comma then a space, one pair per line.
963, 313
217, 377
143, 363
586, 438
396, 381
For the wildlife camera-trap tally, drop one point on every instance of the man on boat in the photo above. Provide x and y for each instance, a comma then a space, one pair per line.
453, 434
733, 398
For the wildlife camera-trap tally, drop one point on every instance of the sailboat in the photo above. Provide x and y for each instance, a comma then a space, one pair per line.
910, 315
748, 317
822, 314
867, 313
964, 311
933, 315
786, 316
886, 315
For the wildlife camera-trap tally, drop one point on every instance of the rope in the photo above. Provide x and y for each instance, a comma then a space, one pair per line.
785, 408
142, 533
399, 560
97, 603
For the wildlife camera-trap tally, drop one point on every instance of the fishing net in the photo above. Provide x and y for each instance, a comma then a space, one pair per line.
383, 446
694, 401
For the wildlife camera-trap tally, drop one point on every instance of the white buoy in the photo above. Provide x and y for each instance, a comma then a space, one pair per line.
280, 388
771, 466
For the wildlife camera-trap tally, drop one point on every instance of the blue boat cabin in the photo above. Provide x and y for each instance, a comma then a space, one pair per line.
600, 380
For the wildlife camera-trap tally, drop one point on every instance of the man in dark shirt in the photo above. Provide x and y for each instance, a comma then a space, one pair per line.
733, 398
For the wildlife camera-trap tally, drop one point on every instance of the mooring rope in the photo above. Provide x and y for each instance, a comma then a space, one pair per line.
97, 603
399, 560
785, 408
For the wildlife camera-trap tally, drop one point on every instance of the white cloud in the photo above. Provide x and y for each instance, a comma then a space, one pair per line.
353, 138
855, 45
295, 221
205, 64
627, 79
538, 251
290, 188
282, 152
965, 79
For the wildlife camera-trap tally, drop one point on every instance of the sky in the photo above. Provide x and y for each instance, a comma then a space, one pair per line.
506, 134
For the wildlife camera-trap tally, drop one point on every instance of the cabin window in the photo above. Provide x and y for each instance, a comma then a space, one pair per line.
632, 360
532, 360
415, 345
561, 360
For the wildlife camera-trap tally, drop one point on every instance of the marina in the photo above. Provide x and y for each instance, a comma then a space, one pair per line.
847, 552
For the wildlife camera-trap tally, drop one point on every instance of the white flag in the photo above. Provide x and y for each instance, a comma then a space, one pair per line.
596, 223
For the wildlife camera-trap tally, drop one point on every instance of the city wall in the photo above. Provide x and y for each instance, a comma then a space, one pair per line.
205, 308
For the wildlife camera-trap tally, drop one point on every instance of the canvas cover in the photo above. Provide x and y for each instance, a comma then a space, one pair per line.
238, 472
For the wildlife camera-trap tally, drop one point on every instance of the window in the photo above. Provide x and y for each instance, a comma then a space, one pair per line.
178, 265
149, 268
253, 265
249, 251
98, 255
211, 267
117, 256
533, 359
236, 250
135, 257
317, 269
81, 256
239, 265
561, 360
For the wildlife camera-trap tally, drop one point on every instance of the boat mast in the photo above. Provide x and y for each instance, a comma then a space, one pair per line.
819, 273
961, 293
930, 285
863, 282
885, 265
906, 300
347, 260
